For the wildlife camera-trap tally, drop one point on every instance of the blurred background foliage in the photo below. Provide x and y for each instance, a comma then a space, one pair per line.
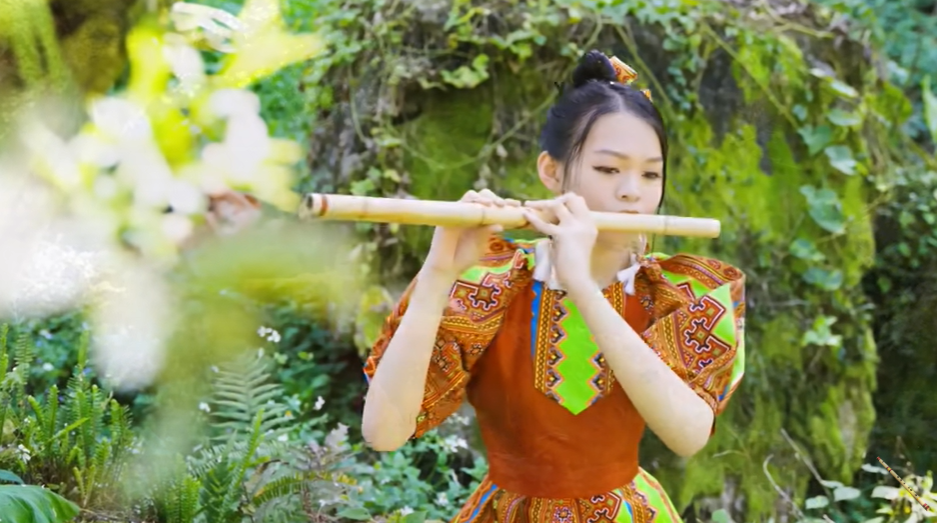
806, 126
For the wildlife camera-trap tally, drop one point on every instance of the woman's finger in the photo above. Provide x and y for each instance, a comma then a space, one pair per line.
469, 196
512, 203
539, 204
493, 198
537, 223
561, 211
577, 205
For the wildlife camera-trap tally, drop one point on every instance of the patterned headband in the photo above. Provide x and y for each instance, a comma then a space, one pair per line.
626, 74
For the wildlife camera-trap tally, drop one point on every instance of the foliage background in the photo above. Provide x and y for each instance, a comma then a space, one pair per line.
801, 125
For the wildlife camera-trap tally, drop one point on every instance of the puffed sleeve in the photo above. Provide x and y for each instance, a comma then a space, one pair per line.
697, 307
477, 303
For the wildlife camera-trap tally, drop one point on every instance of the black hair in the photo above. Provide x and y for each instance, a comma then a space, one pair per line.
595, 92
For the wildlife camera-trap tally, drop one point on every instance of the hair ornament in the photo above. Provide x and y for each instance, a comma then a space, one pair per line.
625, 74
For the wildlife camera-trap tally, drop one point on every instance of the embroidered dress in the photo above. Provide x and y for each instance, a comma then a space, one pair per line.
561, 434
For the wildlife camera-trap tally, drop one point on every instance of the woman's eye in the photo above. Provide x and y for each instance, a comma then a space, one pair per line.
605, 169
652, 174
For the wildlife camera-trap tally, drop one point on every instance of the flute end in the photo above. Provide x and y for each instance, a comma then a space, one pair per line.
312, 206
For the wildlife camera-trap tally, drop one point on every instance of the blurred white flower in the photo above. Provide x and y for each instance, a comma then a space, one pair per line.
226, 103
177, 227
406, 510
186, 63
129, 325
120, 119
185, 197
319, 403
203, 406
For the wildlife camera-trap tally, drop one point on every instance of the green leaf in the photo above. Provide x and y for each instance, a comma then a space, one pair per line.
824, 279
843, 118
9, 476
34, 504
885, 492
806, 250
831, 483
816, 138
843, 89
721, 516
416, 516
841, 159
817, 502
357, 514
821, 333
800, 112
825, 209
846, 493
930, 107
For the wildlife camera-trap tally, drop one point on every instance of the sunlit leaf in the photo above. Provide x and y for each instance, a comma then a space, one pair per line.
841, 159
846, 493
817, 502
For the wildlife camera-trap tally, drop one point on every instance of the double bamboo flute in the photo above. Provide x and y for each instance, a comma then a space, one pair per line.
463, 214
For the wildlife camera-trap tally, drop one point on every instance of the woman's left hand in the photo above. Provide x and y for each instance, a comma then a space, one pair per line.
573, 236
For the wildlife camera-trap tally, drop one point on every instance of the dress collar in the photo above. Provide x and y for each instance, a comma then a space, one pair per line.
545, 272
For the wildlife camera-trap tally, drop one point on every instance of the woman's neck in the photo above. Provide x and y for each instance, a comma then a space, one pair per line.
608, 260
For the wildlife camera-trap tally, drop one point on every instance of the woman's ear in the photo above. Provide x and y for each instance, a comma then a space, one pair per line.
550, 173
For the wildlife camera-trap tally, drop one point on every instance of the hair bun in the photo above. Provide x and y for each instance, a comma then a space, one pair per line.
593, 65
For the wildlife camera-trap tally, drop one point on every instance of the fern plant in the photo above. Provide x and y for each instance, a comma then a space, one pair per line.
250, 466
73, 440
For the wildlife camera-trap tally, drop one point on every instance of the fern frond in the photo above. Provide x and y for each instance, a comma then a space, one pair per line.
24, 354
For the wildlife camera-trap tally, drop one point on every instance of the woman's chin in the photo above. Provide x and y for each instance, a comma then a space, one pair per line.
620, 240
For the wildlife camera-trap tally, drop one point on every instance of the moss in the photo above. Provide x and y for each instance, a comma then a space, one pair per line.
442, 147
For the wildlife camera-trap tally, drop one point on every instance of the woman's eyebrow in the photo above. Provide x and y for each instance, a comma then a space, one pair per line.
623, 156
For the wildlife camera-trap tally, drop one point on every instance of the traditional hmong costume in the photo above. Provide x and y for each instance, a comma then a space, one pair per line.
561, 435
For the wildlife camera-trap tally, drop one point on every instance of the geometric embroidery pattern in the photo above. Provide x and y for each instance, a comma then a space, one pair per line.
568, 366
641, 500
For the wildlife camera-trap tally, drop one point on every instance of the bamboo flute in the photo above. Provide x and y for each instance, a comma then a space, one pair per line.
463, 214
905, 486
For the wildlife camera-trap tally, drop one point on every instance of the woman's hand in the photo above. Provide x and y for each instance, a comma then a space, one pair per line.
454, 250
573, 237
231, 211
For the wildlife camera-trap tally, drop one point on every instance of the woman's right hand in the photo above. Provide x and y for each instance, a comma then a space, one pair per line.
454, 250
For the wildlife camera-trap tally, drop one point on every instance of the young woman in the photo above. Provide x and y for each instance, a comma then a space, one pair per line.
567, 346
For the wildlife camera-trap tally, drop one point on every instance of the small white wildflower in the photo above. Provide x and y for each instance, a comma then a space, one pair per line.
24, 453
214, 369
454, 443
406, 510
319, 403
204, 407
283, 438
262, 331
47, 367
442, 499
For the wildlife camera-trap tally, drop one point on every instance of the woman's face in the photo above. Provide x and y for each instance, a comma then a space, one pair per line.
619, 170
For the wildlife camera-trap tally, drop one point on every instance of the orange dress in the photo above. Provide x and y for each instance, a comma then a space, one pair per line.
561, 434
